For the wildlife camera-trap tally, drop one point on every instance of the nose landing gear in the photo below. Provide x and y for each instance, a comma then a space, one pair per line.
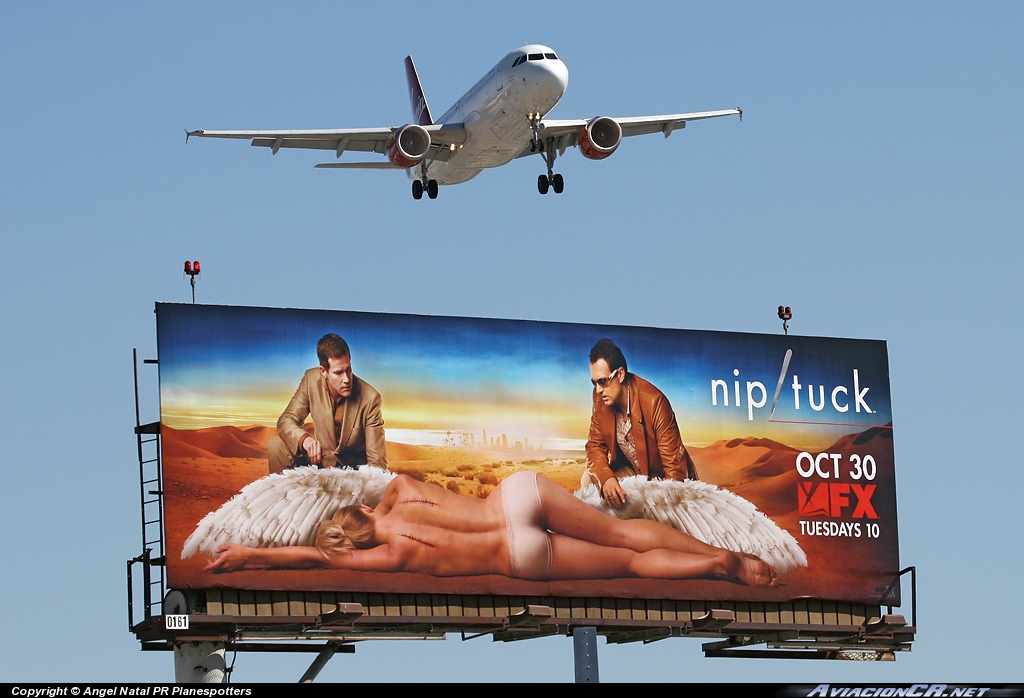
536, 144
555, 181
548, 151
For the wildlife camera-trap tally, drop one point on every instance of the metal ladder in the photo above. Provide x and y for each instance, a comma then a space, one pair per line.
151, 496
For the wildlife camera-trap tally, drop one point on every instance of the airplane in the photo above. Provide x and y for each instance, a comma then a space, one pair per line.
500, 118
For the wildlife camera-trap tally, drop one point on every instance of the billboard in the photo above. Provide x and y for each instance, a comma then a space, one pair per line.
733, 466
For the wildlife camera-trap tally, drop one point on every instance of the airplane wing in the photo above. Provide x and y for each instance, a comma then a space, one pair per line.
385, 165
367, 140
565, 132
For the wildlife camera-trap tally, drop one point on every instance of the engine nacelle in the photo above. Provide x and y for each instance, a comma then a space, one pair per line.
600, 137
409, 146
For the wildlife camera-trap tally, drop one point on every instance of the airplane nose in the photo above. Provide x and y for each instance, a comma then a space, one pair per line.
559, 74
548, 77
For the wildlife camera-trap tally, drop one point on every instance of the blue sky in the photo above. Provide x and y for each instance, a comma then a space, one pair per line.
873, 185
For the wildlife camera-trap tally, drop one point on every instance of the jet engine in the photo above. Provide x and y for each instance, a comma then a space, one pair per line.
600, 137
409, 146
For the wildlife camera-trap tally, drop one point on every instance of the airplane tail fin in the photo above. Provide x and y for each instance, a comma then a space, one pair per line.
420, 110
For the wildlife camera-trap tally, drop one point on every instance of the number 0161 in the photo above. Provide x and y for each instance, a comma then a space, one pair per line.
176, 622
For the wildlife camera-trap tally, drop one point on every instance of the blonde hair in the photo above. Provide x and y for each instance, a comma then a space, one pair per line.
349, 529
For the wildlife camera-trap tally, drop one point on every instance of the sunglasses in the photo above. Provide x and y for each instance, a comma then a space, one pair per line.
603, 382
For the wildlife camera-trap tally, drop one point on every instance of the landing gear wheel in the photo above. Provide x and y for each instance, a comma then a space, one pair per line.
533, 146
417, 189
432, 189
549, 152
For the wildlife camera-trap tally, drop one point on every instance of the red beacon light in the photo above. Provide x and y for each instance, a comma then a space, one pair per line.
785, 314
192, 271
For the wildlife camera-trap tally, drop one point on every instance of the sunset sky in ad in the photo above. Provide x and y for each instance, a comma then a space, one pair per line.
528, 380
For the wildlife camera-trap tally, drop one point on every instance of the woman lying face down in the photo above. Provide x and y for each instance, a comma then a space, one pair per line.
528, 528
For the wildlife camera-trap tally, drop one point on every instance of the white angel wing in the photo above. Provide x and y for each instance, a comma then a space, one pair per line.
709, 514
286, 508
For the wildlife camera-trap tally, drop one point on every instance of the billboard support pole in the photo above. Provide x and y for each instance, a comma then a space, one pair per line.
320, 662
200, 662
584, 649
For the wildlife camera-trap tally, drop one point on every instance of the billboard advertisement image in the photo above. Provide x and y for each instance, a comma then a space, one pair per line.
313, 450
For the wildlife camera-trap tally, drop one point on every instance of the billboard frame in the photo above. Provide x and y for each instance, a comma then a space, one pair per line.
246, 620
290, 621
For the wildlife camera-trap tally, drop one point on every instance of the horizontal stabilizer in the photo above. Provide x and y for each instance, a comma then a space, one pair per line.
359, 166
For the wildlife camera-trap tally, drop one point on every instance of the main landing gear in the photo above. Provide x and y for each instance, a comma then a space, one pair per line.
423, 184
418, 188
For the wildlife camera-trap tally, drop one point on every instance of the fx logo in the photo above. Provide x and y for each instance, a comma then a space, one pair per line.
833, 498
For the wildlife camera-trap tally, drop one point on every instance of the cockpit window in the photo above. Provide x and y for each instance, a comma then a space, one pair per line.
519, 60
551, 56
536, 56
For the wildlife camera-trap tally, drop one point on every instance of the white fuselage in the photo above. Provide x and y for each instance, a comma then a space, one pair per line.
495, 113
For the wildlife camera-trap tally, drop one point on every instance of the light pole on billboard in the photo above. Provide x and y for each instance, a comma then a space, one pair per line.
785, 314
192, 271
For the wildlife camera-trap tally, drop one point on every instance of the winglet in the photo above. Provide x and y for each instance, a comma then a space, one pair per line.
192, 133
418, 102
741, 113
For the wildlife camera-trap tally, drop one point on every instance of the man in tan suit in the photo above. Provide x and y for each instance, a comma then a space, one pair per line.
633, 429
348, 428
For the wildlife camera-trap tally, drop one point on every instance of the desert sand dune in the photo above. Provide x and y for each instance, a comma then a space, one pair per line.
206, 467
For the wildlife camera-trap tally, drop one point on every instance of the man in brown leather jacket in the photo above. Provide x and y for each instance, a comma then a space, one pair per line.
348, 428
633, 429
